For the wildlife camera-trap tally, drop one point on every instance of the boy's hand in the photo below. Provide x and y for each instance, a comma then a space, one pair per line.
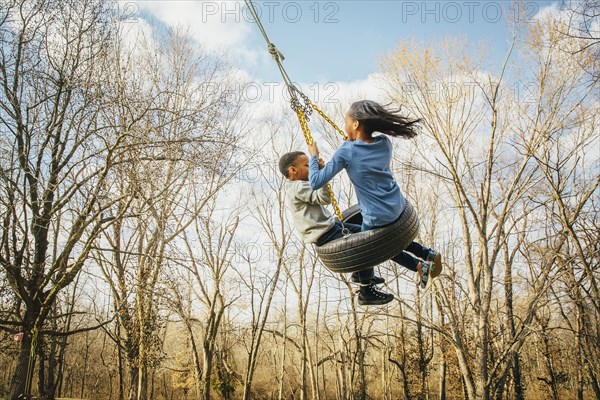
321, 163
313, 150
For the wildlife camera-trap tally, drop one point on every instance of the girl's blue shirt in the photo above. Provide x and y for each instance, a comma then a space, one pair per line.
368, 167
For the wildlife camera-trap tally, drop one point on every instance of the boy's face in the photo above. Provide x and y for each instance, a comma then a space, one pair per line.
299, 171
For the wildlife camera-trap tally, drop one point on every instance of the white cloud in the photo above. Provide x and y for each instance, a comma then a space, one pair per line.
271, 96
224, 27
573, 13
218, 26
371, 88
552, 11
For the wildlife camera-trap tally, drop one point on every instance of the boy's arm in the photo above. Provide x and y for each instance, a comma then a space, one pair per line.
307, 195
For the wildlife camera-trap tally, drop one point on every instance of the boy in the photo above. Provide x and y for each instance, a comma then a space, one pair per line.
316, 225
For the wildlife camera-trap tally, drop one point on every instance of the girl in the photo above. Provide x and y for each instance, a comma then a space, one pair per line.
366, 159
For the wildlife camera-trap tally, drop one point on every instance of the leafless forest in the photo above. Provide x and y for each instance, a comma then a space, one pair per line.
145, 252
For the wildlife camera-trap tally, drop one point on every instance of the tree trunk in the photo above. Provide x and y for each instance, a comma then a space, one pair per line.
508, 293
207, 371
405, 390
41, 373
20, 387
482, 387
581, 330
133, 383
421, 346
86, 357
549, 368
443, 364
442, 374
48, 389
21, 380
61, 365
361, 366
120, 362
594, 382
517, 380
196, 358
283, 350
142, 391
312, 373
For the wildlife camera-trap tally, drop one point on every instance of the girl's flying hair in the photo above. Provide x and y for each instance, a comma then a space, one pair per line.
377, 118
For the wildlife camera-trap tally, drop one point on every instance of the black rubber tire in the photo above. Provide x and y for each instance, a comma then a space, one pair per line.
367, 249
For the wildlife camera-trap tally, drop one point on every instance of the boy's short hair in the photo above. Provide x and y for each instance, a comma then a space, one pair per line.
287, 160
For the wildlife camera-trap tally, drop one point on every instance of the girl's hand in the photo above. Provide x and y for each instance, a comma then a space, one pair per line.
313, 150
321, 163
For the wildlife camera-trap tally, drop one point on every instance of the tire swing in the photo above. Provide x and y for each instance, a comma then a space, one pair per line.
356, 251
367, 249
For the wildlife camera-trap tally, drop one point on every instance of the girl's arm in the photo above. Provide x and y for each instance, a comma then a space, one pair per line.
318, 178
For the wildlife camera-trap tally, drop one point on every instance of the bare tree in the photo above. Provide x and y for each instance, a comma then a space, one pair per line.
262, 283
131, 170
56, 156
583, 17
208, 269
446, 89
564, 161
179, 148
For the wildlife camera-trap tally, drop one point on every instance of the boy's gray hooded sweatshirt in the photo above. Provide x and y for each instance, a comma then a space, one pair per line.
308, 214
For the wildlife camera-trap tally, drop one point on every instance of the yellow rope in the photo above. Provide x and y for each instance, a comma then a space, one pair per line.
334, 203
309, 140
304, 125
296, 106
329, 120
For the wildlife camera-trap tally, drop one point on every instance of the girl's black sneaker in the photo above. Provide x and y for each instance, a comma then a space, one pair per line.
435, 259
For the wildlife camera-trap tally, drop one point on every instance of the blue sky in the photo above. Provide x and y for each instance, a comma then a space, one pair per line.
333, 41
343, 40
